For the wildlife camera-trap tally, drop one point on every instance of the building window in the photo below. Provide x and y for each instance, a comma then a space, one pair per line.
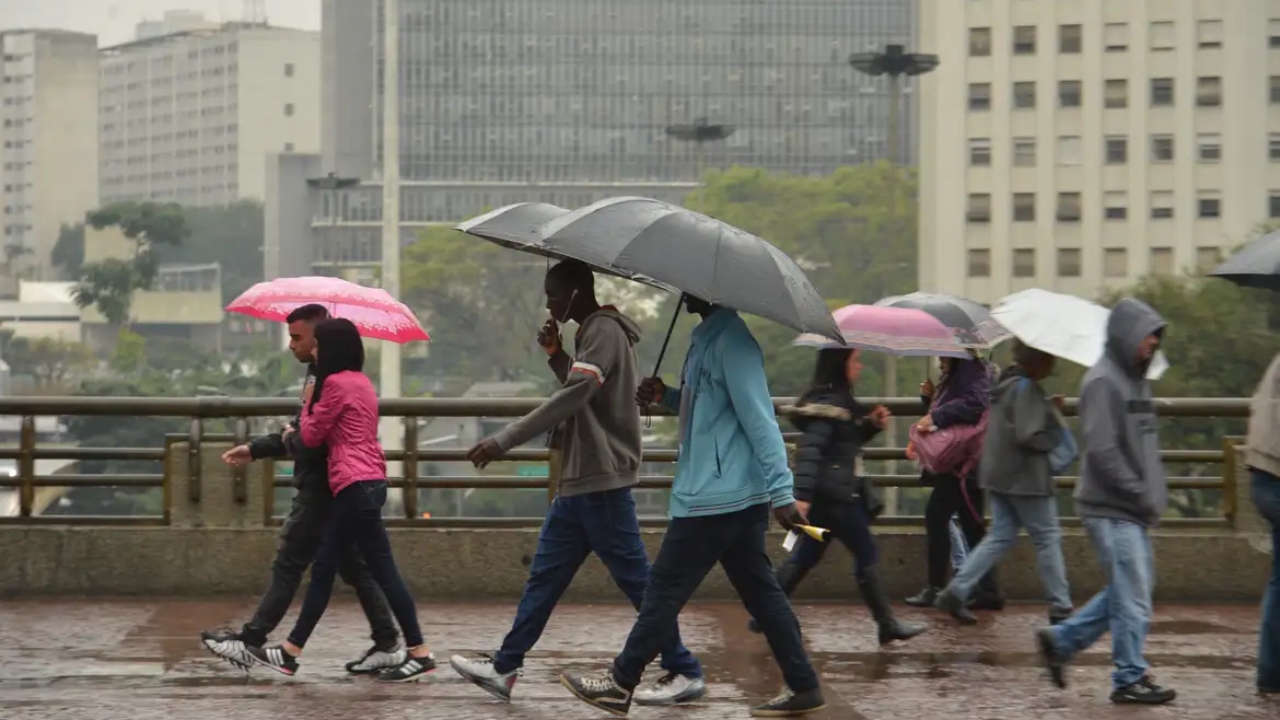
1273, 33
1069, 150
1069, 93
1207, 258
979, 96
1024, 40
288, 147
979, 42
980, 263
1209, 34
1024, 95
1068, 207
1209, 147
1161, 261
1209, 91
1162, 148
1208, 205
1117, 150
1024, 152
288, 69
1116, 94
1069, 37
1161, 92
979, 208
288, 109
1068, 262
1115, 205
1162, 37
1273, 147
1273, 204
1024, 262
980, 152
1115, 263
1273, 87
1024, 207
1162, 205
1115, 37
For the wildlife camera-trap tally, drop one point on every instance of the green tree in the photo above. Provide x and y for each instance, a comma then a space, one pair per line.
109, 284
68, 250
51, 363
230, 235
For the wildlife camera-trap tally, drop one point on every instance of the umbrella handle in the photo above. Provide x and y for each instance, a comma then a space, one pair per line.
657, 367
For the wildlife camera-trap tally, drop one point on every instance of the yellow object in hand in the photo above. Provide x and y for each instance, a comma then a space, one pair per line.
817, 533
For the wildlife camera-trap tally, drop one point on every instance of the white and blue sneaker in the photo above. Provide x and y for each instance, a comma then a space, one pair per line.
672, 689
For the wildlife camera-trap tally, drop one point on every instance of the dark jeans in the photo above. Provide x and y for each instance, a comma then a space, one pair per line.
691, 547
951, 496
357, 522
604, 523
1266, 497
299, 540
850, 524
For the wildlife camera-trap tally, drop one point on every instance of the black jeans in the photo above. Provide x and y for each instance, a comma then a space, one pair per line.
848, 523
691, 547
951, 496
357, 523
299, 541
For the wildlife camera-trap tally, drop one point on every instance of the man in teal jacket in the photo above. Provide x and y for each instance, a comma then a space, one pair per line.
731, 474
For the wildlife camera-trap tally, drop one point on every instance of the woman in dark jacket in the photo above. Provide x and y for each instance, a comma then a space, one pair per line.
963, 394
828, 489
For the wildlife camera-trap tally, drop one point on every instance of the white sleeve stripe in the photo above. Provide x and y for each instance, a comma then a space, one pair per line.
590, 369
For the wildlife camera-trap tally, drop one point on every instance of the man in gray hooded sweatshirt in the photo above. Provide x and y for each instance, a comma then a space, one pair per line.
1121, 494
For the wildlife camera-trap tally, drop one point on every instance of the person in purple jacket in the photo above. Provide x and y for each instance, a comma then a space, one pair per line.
962, 395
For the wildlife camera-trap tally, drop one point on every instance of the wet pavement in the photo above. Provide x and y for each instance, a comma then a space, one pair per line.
138, 660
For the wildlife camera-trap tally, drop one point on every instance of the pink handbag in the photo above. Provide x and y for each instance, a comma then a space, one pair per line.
956, 449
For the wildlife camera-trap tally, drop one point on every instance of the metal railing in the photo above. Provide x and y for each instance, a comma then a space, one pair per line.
238, 411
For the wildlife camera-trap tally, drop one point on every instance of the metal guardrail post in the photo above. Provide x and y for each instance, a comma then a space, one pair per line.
268, 492
166, 482
193, 459
410, 465
553, 474
1229, 471
27, 466
240, 473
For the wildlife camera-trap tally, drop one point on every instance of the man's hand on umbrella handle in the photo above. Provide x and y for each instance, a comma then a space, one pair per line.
926, 388
650, 392
237, 456
485, 452
1059, 401
549, 337
790, 516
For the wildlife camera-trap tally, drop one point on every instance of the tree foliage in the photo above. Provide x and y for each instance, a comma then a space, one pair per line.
53, 364
230, 235
68, 251
109, 284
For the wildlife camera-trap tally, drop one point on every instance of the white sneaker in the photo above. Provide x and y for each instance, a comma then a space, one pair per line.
671, 689
480, 671
376, 661
227, 645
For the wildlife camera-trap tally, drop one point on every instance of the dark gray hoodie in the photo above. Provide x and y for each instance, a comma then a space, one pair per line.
1121, 475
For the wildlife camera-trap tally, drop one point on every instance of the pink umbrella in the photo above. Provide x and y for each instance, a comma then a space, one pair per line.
373, 310
891, 330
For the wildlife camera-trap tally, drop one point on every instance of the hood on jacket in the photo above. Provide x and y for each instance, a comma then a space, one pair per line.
629, 326
1130, 322
968, 378
1008, 380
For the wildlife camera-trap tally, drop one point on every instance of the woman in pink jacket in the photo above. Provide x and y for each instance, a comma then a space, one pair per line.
343, 415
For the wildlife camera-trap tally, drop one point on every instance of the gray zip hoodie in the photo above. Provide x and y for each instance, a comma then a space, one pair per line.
1121, 475
600, 437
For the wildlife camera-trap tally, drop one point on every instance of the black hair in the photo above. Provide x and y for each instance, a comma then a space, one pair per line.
308, 313
339, 348
1026, 356
830, 372
573, 275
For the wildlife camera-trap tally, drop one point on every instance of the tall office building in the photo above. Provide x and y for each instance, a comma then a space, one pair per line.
191, 116
1080, 146
49, 162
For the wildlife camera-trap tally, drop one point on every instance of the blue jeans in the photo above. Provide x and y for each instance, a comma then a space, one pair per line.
959, 545
1123, 606
1009, 513
604, 523
1266, 497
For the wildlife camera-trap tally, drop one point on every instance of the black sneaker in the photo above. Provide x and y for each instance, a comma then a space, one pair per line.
276, 658
376, 661
923, 599
949, 603
601, 690
791, 704
411, 670
227, 645
1143, 692
1053, 661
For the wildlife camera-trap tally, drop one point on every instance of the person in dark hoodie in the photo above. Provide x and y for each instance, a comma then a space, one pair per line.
829, 490
1023, 430
962, 395
593, 511
1121, 494
302, 531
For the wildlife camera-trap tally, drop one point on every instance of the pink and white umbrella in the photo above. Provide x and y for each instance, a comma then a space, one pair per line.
896, 331
375, 313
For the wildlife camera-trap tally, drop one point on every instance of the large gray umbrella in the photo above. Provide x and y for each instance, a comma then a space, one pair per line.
1256, 265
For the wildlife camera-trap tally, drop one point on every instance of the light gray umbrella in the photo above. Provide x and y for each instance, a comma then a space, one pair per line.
1256, 265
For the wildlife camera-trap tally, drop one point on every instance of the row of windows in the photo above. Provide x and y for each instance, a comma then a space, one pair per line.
1115, 206
1161, 36
1069, 262
1115, 93
1115, 150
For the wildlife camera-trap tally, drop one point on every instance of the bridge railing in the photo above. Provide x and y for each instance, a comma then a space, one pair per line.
208, 419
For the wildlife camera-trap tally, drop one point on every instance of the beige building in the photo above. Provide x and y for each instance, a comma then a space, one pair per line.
190, 117
1081, 145
49, 159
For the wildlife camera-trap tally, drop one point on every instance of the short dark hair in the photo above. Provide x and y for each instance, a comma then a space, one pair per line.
1025, 355
310, 312
339, 349
573, 275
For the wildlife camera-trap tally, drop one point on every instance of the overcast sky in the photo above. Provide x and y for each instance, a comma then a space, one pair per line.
113, 20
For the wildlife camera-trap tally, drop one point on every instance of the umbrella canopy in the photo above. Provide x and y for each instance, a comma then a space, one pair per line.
896, 331
971, 321
1065, 326
695, 254
375, 313
1256, 265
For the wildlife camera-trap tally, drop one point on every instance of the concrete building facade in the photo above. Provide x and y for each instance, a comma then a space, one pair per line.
1078, 146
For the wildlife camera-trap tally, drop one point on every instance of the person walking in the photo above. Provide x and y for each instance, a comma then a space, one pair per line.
343, 414
1262, 455
731, 473
1121, 494
1017, 471
593, 511
302, 531
828, 489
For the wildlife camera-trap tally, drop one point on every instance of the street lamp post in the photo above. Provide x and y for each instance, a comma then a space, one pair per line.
894, 62
699, 131
392, 430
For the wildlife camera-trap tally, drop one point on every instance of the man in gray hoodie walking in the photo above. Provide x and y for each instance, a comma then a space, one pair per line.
598, 425
1122, 493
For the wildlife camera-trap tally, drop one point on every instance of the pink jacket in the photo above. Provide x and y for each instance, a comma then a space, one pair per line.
346, 419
